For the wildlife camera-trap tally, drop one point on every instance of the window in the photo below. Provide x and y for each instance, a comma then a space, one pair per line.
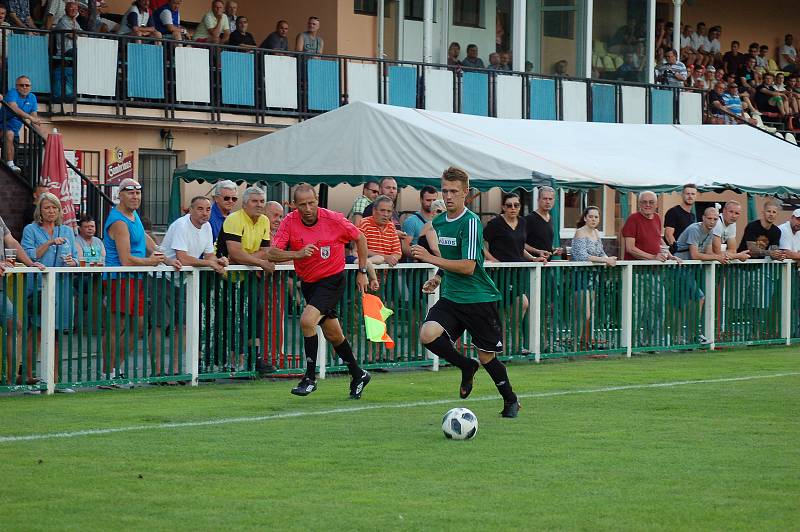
559, 24
572, 204
365, 7
467, 13
155, 174
415, 10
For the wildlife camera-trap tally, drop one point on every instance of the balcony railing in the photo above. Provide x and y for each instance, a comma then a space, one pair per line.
112, 75
198, 325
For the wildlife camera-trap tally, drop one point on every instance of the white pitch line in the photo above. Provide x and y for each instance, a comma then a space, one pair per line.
348, 410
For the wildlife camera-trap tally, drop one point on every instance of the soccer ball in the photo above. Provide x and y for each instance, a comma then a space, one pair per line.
460, 424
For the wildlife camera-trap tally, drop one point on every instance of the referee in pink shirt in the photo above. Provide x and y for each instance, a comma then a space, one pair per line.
314, 238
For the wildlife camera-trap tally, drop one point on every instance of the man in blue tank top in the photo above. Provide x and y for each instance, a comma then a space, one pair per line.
126, 245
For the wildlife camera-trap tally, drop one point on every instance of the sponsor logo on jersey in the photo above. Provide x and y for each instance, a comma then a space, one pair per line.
447, 241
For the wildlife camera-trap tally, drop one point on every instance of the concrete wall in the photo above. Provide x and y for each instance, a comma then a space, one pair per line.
190, 143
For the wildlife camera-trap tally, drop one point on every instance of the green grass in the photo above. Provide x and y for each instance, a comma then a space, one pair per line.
704, 456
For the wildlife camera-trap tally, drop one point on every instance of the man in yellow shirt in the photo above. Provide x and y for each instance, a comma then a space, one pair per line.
244, 239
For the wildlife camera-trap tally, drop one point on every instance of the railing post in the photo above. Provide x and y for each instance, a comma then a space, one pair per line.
786, 301
48, 329
535, 314
192, 344
627, 308
709, 308
322, 352
432, 299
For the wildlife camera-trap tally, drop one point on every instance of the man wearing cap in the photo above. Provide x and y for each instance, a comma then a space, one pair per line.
126, 245
790, 236
733, 103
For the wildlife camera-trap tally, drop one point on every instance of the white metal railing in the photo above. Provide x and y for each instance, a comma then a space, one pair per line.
785, 312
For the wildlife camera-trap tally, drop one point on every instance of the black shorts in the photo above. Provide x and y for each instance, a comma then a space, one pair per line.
324, 295
481, 320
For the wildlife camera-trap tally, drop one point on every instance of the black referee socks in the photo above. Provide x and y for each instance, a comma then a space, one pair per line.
311, 343
345, 352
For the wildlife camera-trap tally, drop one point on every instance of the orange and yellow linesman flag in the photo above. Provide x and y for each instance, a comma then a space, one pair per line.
375, 316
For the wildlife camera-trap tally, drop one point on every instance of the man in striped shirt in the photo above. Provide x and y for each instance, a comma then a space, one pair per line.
383, 242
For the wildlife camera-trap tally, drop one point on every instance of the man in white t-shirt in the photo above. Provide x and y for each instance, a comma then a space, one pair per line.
787, 55
790, 236
188, 240
713, 47
700, 43
215, 25
725, 232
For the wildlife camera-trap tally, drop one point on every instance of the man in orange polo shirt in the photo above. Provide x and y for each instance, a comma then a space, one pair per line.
383, 242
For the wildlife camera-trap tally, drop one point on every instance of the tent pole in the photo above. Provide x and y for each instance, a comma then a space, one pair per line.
555, 217
427, 32
175, 200
381, 19
752, 208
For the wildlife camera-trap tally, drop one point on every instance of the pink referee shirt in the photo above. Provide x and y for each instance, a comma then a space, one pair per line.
331, 232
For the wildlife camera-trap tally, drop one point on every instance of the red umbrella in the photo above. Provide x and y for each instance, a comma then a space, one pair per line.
55, 177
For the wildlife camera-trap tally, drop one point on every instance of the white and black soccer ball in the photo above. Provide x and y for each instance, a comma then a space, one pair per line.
460, 424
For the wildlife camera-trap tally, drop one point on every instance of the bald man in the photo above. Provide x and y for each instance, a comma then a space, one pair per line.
274, 212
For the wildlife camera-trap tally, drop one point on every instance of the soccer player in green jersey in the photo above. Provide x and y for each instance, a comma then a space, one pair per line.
468, 297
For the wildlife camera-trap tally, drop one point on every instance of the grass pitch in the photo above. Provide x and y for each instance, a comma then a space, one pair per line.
596, 446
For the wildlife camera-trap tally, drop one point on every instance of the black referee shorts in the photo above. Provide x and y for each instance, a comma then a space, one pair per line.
324, 295
481, 320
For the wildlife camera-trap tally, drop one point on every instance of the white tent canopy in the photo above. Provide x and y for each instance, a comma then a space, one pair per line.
364, 140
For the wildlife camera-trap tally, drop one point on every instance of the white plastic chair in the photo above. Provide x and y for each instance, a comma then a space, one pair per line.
760, 123
790, 138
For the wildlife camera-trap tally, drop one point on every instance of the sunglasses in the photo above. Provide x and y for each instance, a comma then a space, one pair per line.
230, 198
132, 187
512, 205
23, 84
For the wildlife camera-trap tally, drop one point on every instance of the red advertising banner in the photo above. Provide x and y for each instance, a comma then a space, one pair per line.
119, 165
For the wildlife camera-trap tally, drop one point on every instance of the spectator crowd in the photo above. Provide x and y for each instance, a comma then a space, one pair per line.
741, 87
221, 24
214, 233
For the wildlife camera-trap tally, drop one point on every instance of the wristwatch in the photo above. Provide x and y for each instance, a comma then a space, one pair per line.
362, 270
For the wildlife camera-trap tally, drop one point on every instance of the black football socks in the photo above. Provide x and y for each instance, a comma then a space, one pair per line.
311, 343
443, 348
497, 371
345, 352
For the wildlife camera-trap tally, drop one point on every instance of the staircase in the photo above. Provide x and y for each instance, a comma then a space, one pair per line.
16, 188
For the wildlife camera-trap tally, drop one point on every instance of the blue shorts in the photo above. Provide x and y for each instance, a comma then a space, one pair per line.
7, 312
13, 124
